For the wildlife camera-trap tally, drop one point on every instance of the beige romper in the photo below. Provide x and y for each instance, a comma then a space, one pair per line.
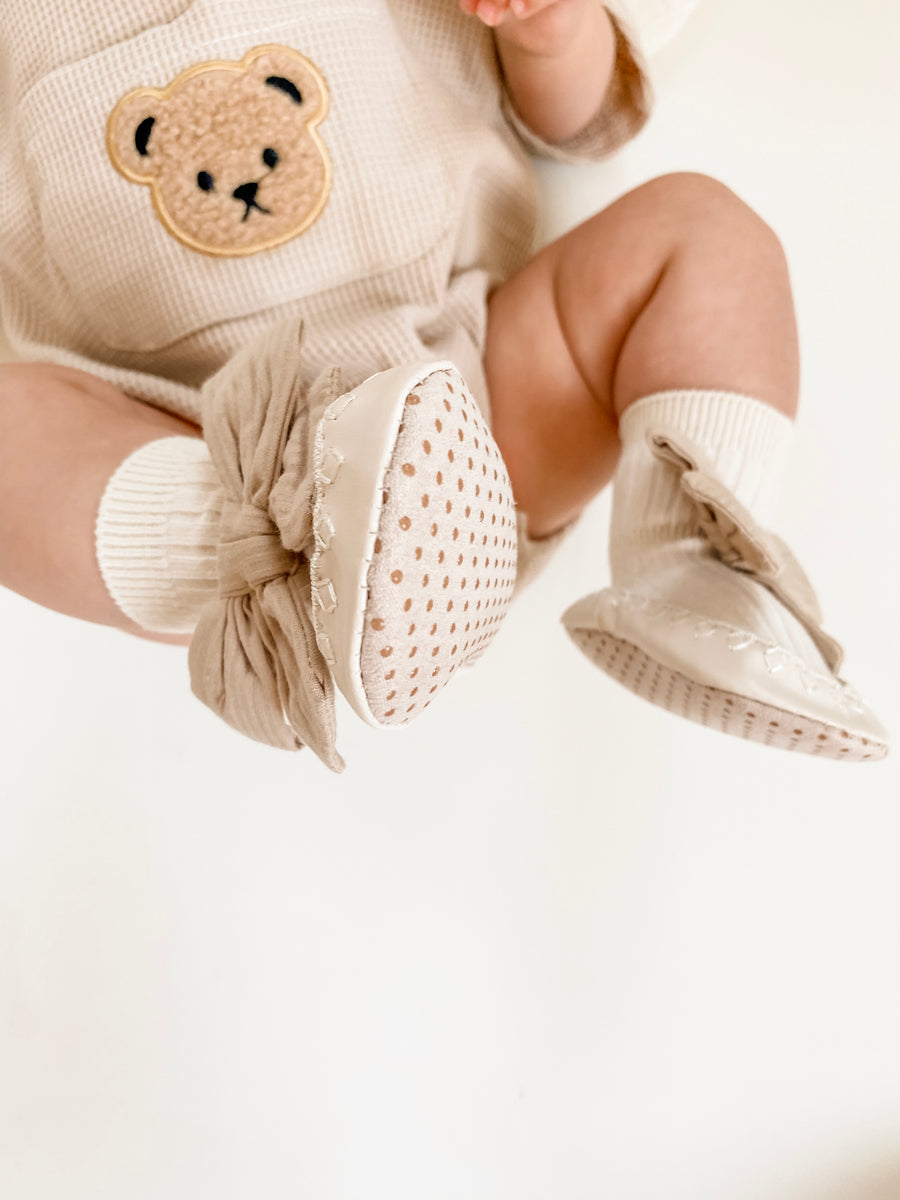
422, 200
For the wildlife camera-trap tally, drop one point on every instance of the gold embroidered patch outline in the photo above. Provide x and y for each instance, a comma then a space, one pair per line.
230, 150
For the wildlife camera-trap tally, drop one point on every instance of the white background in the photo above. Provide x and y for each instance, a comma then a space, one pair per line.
549, 943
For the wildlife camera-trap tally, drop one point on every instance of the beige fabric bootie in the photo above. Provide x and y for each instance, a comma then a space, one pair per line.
709, 615
367, 539
415, 528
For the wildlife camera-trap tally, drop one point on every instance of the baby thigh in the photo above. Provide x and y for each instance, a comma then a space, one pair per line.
678, 284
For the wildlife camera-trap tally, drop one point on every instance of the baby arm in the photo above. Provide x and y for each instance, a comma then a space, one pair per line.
62, 435
557, 56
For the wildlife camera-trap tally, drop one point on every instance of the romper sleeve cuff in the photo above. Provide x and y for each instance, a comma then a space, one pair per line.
624, 112
157, 534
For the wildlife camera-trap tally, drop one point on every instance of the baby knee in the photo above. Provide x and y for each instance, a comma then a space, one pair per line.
704, 206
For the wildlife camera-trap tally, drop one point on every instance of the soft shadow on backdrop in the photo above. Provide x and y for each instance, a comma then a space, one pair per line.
548, 942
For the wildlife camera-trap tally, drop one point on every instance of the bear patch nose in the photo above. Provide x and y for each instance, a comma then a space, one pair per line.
246, 193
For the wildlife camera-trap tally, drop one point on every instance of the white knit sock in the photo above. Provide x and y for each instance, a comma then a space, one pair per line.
746, 441
688, 629
157, 534
654, 533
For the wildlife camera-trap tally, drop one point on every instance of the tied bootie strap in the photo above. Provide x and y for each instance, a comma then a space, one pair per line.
253, 658
739, 541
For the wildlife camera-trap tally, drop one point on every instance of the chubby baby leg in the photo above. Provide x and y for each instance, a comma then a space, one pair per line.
63, 433
678, 284
657, 344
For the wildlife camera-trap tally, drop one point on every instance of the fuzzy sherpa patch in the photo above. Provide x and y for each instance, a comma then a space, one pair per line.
230, 151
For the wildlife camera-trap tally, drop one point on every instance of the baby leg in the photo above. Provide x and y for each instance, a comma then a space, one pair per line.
63, 433
657, 343
678, 284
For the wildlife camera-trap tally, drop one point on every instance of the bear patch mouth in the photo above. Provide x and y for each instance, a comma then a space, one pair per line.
246, 193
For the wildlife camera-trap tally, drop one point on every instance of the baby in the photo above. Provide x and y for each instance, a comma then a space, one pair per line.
306, 228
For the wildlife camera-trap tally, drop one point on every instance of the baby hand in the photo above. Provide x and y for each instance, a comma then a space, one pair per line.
536, 26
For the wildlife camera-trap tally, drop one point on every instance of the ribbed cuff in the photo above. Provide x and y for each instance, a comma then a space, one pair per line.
746, 441
157, 534
623, 113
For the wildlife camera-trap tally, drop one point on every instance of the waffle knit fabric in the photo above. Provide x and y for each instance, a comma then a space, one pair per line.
431, 203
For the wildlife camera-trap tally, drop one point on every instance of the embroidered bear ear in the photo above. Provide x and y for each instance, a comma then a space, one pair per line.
129, 134
286, 73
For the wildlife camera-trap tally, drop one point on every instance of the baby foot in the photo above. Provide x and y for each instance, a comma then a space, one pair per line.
716, 647
415, 529
720, 625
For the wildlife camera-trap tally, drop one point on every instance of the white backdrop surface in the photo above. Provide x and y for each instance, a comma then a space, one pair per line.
548, 943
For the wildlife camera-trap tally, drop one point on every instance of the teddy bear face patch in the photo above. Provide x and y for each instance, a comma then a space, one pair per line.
229, 150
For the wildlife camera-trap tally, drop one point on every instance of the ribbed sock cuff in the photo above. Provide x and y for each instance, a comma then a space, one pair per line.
746, 441
157, 534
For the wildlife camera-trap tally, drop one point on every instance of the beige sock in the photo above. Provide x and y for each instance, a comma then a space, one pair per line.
709, 615
654, 532
157, 534
746, 441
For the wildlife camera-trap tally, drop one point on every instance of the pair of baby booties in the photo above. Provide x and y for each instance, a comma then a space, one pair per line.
368, 540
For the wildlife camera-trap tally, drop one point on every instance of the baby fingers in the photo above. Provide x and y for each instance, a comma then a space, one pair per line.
495, 12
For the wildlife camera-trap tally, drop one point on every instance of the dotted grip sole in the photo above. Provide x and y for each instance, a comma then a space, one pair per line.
716, 709
437, 526
444, 565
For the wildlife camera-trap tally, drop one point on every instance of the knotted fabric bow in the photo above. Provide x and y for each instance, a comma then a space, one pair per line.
253, 658
740, 542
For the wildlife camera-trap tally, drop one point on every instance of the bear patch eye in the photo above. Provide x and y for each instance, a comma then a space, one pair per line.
270, 156
205, 181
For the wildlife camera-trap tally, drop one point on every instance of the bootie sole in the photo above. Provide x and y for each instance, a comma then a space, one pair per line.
415, 528
851, 734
